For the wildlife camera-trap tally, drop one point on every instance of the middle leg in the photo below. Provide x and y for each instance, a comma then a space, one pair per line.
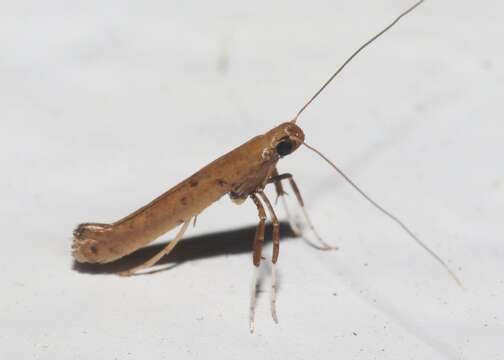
166, 250
274, 259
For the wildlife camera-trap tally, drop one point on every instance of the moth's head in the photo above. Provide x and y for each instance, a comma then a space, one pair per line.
284, 139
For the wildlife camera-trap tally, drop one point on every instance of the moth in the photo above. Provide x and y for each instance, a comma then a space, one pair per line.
243, 174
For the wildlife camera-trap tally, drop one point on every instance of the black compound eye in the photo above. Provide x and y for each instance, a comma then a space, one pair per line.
284, 147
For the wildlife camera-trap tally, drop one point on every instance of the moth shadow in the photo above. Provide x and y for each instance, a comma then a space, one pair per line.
231, 242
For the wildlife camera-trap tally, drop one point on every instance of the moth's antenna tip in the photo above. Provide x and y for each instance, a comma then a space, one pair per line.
390, 216
355, 53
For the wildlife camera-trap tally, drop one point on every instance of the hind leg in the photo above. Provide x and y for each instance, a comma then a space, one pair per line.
152, 261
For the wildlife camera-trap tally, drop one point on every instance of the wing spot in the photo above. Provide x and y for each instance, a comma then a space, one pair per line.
94, 249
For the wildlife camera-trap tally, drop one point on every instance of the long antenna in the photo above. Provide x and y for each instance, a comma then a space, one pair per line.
388, 214
354, 55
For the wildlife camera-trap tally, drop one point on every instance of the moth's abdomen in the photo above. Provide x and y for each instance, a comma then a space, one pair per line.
88, 245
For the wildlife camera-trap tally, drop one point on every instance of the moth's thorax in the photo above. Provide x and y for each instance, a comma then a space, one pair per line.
262, 154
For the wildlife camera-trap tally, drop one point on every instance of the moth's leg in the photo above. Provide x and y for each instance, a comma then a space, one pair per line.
256, 258
325, 246
276, 248
297, 193
274, 178
277, 181
168, 248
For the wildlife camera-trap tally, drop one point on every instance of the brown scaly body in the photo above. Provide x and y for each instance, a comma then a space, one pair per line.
241, 172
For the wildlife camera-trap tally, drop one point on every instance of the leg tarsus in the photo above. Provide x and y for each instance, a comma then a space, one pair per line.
256, 258
253, 292
274, 259
273, 293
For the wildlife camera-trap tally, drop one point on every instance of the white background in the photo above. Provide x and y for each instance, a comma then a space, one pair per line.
106, 104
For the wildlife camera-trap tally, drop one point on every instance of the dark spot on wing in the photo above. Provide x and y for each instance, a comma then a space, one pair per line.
221, 182
94, 249
183, 201
193, 183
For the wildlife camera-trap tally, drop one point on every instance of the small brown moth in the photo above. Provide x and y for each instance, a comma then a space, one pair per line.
242, 173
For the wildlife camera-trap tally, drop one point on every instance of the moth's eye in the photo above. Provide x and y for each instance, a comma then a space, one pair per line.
284, 147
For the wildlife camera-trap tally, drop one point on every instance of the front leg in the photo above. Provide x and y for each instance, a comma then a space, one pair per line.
276, 249
256, 258
276, 179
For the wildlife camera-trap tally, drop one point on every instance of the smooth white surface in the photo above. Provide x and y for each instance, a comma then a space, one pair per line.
105, 105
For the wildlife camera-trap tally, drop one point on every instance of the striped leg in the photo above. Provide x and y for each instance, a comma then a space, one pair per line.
257, 248
276, 249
